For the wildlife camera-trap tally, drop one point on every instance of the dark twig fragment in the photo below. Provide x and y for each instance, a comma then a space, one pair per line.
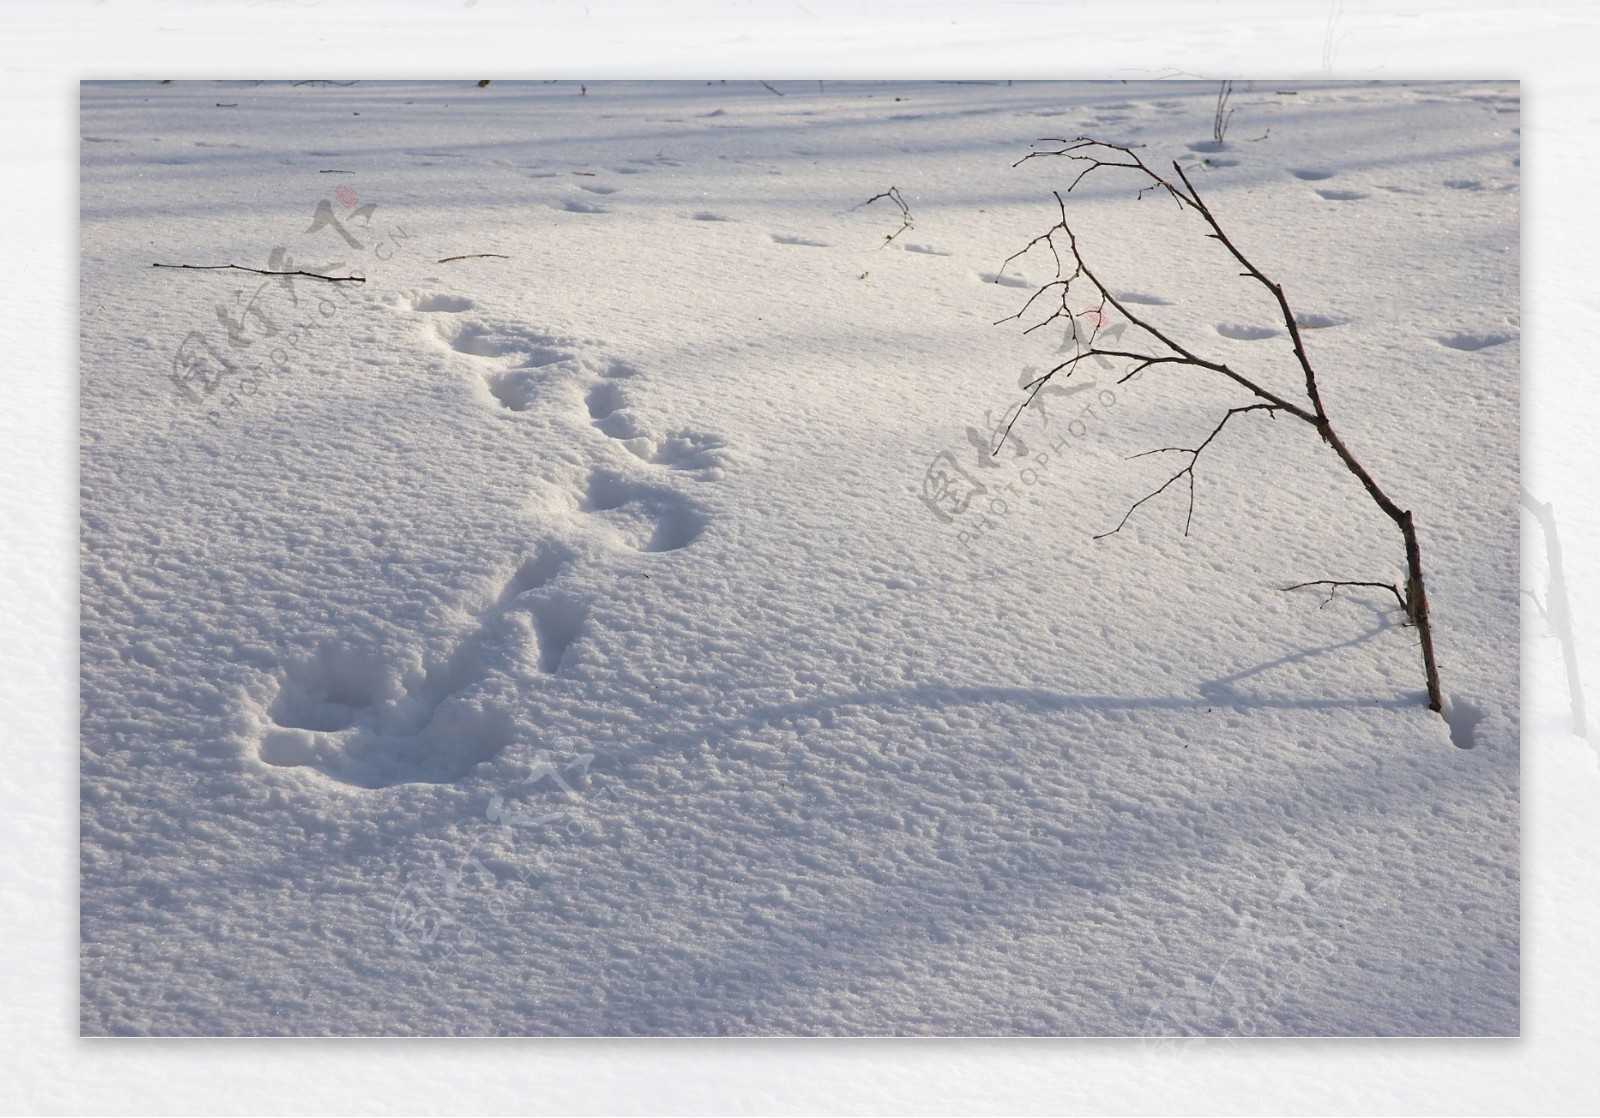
905, 212
262, 272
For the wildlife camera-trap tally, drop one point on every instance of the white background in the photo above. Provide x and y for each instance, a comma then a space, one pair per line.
46, 50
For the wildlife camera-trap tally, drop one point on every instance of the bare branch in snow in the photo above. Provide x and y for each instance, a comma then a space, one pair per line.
1077, 286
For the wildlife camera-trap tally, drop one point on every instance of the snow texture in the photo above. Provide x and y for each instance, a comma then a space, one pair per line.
577, 640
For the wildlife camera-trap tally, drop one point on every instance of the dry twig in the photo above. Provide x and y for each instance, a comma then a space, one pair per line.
262, 272
1164, 350
905, 212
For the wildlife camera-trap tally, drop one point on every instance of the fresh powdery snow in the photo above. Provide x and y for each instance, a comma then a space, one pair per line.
613, 616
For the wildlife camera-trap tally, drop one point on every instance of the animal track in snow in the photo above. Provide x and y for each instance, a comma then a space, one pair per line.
1342, 195
452, 304
1241, 333
360, 720
607, 404
707, 215
539, 570
579, 206
926, 250
558, 622
525, 346
1473, 342
785, 239
1003, 281
647, 517
1318, 321
596, 188
521, 356
1141, 299
604, 401
1311, 174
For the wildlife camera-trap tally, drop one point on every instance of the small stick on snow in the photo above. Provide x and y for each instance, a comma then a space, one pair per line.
1194, 457
1336, 583
262, 272
905, 212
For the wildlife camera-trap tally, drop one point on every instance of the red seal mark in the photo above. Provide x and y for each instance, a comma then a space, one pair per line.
346, 194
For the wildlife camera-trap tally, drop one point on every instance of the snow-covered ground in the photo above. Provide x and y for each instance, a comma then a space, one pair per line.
575, 640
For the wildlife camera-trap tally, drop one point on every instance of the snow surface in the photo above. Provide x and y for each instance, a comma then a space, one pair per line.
562, 643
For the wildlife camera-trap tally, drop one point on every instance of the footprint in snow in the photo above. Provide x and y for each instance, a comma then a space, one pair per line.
1004, 281
1242, 333
358, 720
607, 404
1140, 298
1472, 342
522, 358
527, 347
646, 517
1318, 321
785, 239
1342, 195
436, 304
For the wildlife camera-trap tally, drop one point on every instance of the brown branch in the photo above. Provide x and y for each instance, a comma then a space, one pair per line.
1277, 293
905, 212
1194, 457
473, 256
262, 272
1098, 154
1336, 583
1103, 296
